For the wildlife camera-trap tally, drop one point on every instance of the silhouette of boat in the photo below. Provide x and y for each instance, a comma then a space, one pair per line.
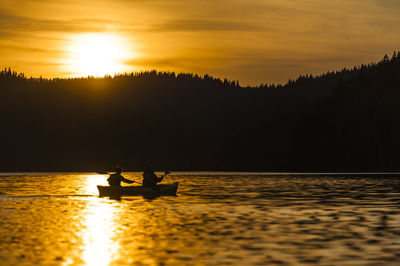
165, 190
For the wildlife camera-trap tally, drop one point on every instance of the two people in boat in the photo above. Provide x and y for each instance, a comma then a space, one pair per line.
150, 179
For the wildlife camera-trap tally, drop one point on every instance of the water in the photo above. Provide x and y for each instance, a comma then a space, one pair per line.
58, 219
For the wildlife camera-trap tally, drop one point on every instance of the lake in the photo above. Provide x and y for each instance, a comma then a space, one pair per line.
216, 219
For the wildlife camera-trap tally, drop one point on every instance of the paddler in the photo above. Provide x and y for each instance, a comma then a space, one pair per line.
115, 179
150, 179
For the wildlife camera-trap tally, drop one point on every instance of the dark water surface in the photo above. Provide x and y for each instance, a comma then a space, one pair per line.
58, 219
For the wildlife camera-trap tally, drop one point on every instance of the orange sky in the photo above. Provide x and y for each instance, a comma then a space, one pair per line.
253, 41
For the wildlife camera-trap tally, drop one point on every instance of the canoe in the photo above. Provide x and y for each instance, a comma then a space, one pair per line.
165, 190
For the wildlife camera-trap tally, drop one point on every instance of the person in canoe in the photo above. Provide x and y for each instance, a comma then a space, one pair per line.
115, 179
150, 179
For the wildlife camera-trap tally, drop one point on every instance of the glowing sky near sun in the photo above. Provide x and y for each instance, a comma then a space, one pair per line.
253, 41
97, 54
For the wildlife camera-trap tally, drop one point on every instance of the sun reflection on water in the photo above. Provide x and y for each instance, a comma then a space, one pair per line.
91, 183
99, 244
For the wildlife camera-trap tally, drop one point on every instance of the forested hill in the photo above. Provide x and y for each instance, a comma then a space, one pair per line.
339, 121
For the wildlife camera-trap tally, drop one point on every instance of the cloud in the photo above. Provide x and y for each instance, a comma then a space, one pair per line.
388, 3
12, 23
151, 62
173, 61
30, 49
206, 25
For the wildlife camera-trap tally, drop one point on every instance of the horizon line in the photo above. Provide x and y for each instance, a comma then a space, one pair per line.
120, 74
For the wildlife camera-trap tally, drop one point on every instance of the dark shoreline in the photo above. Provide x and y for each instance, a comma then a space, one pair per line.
227, 173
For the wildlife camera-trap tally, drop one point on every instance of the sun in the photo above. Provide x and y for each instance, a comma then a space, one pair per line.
97, 55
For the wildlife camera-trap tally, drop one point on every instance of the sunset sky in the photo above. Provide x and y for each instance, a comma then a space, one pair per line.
253, 41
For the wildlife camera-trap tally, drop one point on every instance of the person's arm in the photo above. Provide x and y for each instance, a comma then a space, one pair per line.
159, 179
123, 179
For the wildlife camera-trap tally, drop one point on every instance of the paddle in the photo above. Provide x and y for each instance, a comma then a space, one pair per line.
102, 172
162, 177
166, 172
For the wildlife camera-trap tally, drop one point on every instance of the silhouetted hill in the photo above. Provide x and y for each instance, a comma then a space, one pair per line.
339, 121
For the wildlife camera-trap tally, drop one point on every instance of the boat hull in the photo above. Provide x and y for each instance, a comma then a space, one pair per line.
165, 190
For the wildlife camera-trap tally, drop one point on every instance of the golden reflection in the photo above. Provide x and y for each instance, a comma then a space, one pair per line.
92, 181
98, 227
99, 245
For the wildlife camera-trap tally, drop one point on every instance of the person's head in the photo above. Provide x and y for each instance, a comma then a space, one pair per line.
148, 169
118, 169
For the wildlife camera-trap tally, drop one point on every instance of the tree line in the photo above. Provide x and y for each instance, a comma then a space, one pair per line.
345, 120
